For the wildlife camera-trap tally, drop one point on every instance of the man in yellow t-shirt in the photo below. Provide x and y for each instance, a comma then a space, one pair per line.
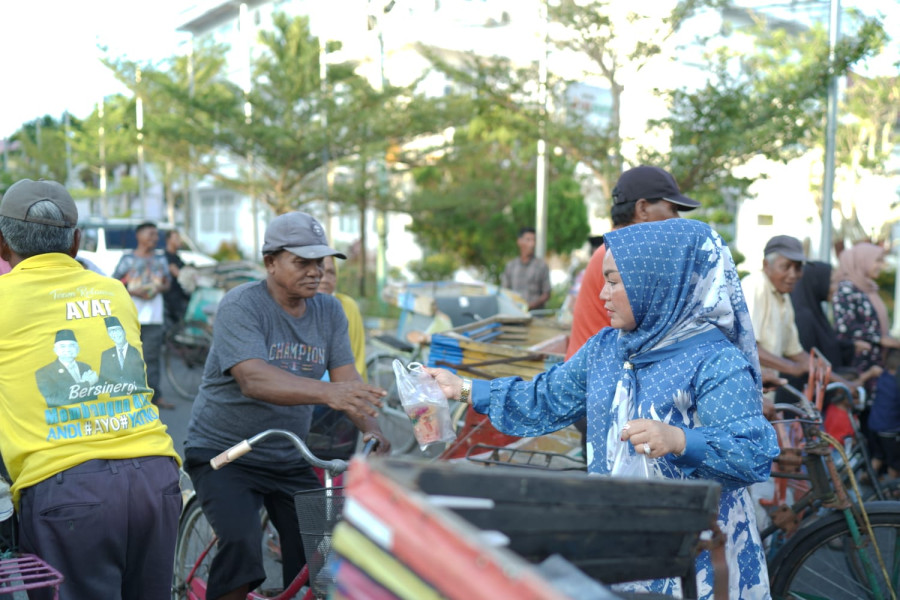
355, 328
92, 466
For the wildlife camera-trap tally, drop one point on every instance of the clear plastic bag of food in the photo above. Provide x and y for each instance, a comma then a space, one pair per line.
424, 403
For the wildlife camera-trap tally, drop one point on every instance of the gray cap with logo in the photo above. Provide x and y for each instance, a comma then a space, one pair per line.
22, 195
300, 234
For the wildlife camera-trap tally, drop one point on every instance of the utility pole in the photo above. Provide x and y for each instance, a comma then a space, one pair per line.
540, 196
139, 117
323, 90
245, 29
67, 129
834, 32
381, 218
190, 193
101, 134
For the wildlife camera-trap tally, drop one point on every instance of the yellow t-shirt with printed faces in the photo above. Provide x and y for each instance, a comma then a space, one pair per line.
73, 385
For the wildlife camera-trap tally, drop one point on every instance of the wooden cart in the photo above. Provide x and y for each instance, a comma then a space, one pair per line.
456, 531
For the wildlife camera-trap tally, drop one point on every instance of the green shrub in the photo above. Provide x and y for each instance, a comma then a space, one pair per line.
436, 267
228, 251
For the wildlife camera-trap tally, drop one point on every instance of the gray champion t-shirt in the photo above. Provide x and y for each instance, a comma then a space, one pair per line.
250, 324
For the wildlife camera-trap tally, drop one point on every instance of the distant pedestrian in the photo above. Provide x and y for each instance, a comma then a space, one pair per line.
175, 299
528, 275
146, 277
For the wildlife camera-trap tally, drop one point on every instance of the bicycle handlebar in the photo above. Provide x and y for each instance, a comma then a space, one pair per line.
803, 407
335, 466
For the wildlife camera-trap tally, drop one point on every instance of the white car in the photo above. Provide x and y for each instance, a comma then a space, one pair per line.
104, 241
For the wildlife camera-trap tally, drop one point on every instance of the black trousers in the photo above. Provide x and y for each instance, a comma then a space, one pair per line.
231, 499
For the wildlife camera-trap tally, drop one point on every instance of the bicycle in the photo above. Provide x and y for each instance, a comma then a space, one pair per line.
185, 348
19, 571
318, 510
842, 549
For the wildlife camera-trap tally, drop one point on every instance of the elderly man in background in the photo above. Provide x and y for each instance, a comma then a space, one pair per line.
768, 298
96, 480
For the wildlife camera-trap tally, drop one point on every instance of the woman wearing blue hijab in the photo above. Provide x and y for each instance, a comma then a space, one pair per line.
677, 377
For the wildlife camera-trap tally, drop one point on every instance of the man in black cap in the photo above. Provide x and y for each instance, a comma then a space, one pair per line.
61, 381
767, 293
94, 473
273, 340
123, 362
641, 195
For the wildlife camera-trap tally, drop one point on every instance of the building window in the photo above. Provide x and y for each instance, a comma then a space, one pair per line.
348, 224
217, 212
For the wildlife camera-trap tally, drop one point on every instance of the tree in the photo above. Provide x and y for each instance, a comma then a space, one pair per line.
472, 201
769, 104
182, 97
43, 150
618, 43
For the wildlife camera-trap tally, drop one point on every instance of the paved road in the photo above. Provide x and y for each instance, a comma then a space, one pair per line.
176, 420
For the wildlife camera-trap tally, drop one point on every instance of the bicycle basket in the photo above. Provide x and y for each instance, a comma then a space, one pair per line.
332, 434
318, 511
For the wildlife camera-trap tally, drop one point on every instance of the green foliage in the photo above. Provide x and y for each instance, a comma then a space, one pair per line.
435, 267
472, 202
228, 251
768, 104
886, 281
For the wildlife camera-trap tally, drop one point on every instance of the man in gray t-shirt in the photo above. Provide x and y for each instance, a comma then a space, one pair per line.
272, 342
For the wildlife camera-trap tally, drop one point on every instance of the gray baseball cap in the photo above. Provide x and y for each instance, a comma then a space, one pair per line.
787, 246
300, 234
22, 195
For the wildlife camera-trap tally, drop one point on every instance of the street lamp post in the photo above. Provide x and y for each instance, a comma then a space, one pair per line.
139, 118
101, 134
381, 218
541, 176
830, 132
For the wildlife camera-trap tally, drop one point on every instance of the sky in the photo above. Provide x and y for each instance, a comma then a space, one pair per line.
49, 56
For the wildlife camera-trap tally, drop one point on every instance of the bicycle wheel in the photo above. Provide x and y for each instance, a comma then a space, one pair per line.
195, 548
822, 561
187, 345
392, 419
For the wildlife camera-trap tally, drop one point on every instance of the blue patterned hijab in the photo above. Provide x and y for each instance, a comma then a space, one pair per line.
681, 281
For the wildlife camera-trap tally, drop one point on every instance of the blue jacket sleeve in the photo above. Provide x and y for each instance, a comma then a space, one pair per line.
551, 401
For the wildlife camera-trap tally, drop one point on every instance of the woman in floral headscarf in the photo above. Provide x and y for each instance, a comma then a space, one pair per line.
859, 312
676, 376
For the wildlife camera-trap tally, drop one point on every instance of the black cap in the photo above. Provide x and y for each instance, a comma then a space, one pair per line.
65, 335
649, 183
786, 246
